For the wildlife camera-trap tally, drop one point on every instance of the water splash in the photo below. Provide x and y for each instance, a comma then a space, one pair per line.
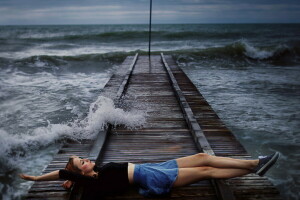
101, 112
261, 54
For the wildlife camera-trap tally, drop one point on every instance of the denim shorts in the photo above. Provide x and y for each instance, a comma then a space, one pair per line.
155, 179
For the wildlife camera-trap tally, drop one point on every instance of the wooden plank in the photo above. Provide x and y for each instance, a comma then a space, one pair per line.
155, 143
166, 135
49, 190
223, 189
221, 140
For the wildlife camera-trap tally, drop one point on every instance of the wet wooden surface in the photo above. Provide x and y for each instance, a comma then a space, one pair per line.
164, 136
222, 141
53, 189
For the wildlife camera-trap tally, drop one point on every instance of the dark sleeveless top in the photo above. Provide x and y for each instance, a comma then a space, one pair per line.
112, 178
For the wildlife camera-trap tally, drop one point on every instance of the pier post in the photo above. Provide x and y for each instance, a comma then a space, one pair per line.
150, 22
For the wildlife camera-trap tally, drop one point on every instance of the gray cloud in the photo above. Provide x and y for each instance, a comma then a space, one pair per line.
137, 11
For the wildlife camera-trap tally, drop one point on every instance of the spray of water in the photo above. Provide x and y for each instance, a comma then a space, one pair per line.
101, 112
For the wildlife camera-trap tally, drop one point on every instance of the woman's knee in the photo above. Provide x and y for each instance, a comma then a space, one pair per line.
202, 155
206, 172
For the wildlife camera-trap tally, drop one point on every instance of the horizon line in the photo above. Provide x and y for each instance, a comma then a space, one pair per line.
216, 23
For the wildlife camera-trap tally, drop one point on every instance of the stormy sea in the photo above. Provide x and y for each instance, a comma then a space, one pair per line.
51, 75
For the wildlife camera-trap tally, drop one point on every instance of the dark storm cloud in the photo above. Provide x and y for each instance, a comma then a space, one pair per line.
136, 11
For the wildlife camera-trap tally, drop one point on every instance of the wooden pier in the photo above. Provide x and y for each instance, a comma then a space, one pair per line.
179, 123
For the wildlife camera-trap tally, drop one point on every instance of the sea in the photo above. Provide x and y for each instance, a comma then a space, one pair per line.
52, 75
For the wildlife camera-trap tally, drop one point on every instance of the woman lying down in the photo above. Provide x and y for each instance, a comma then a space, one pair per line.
153, 179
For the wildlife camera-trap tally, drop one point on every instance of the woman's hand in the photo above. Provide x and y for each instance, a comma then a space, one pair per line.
27, 177
67, 184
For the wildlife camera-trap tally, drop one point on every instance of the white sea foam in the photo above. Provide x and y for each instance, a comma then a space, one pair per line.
47, 35
40, 50
261, 54
256, 53
101, 112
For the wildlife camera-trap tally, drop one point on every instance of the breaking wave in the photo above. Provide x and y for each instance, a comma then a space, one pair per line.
114, 57
132, 35
242, 50
101, 112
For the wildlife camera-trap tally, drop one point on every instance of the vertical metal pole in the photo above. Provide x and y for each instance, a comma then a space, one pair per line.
150, 28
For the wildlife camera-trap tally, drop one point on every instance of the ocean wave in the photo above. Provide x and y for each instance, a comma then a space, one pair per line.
113, 57
105, 36
133, 36
243, 50
285, 53
266, 54
187, 35
101, 112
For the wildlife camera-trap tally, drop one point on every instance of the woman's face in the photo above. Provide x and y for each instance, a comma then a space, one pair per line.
85, 165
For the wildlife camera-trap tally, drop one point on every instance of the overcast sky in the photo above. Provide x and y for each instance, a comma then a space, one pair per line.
137, 11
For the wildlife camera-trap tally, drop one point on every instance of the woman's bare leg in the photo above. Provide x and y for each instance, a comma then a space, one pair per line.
202, 159
188, 176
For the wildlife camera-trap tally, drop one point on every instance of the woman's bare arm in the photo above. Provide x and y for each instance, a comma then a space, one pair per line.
45, 177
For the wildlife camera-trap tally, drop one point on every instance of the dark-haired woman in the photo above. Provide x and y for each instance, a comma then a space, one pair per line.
154, 178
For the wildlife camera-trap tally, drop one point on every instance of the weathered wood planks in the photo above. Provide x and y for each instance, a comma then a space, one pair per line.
222, 141
84, 148
166, 135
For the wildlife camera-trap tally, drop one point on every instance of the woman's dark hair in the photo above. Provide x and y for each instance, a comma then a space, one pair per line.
71, 167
